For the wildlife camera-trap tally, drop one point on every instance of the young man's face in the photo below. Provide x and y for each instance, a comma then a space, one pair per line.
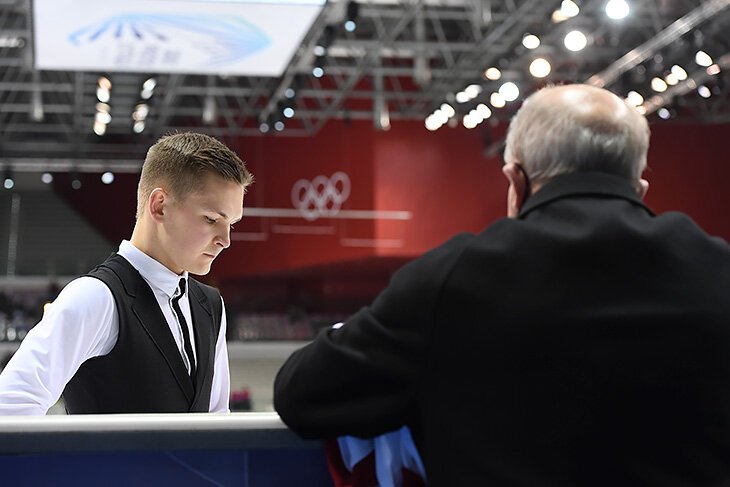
198, 228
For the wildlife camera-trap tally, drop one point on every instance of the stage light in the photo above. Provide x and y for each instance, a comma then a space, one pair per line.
8, 180
634, 98
107, 177
278, 125
352, 16
441, 116
509, 91
99, 128
679, 72
671, 79
447, 109
658, 85
473, 91
483, 111
75, 180
317, 72
704, 91
663, 113
103, 117
264, 127
288, 112
141, 111
138, 126
497, 100
540, 68
617, 9
493, 73
104, 83
575, 41
569, 8
325, 41
462, 97
290, 93
149, 84
432, 124
703, 59
531, 41
102, 95
47, 178
469, 121
713, 70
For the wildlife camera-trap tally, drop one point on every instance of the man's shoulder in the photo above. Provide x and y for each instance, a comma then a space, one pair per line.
85, 293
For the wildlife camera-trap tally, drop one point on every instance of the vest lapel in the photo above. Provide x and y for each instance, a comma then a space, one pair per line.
148, 312
203, 329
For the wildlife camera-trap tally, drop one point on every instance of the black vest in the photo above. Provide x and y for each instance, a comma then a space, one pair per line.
144, 372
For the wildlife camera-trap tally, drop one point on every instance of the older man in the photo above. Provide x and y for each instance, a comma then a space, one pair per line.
581, 341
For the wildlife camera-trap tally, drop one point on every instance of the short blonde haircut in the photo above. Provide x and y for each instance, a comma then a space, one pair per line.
176, 163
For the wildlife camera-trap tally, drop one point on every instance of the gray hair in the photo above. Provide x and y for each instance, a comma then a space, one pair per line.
577, 128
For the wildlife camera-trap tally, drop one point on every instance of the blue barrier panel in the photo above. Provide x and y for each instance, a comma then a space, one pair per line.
242, 449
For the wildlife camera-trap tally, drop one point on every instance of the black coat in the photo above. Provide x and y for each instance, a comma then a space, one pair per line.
586, 342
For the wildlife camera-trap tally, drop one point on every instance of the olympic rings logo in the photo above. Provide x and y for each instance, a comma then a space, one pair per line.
321, 197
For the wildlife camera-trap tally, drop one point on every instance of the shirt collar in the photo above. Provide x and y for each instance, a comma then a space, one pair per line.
583, 183
157, 275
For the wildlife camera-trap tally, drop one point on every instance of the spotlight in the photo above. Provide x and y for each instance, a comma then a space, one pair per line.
148, 88
483, 111
713, 70
102, 95
432, 123
290, 93
496, 100
663, 113
99, 128
8, 180
575, 41
104, 83
493, 73
47, 178
703, 59
138, 126
540, 68
264, 127
658, 85
704, 91
634, 98
509, 91
107, 177
324, 42
462, 97
569, 8
352, 16
278, 125
447, 109
75, 180
679, 72
317, 72
617, 9
473, 91
288, 112
531, 41
103, 117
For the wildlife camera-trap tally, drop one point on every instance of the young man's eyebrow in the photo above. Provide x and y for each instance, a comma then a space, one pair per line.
224, 215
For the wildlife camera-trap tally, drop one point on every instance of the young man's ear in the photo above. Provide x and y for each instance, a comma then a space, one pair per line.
157, 204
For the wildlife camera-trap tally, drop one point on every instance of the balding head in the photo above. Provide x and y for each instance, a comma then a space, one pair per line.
577, 128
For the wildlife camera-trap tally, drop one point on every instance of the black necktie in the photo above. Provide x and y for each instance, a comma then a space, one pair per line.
184, 327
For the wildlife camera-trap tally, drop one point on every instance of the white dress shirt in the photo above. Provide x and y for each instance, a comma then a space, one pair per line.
83, 323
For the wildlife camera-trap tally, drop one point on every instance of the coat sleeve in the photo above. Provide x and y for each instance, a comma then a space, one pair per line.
362, 378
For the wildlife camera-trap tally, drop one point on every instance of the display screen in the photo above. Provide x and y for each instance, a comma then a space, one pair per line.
171, 36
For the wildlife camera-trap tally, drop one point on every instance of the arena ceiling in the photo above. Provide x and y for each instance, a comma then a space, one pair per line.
403, 61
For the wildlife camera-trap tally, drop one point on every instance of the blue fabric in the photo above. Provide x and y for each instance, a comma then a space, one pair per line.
393, 452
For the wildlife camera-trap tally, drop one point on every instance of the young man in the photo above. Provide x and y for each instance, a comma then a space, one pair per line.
136, 334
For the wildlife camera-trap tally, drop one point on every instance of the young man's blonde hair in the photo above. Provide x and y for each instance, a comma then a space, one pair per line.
177, 162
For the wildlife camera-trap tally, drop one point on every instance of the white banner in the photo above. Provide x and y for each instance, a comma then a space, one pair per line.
156, 36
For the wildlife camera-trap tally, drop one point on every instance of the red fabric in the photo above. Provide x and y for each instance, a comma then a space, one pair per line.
363, 474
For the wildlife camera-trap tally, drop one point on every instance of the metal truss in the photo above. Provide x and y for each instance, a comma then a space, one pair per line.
404, 59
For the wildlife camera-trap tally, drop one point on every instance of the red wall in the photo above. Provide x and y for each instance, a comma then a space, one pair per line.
442, 178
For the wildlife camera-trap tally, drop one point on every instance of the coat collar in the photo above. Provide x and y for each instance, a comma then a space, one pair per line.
583, 184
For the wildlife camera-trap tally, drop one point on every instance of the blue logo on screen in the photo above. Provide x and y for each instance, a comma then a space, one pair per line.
221, 40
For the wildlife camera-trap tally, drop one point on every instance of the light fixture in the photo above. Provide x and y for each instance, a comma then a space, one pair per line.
325, 40
47, 178
138, 126
671, 79
141, 111
540, 67
148, 88
663, 113
704, 91
288, 112
278, 125
658, 85
75, 179
470, 121
290, 93
462, 97
703, 59
531, 41
569, 8
8, 180
575, 41
713, 70
679, 72
107, 177
473, 91
102, 95
99, 128
509, 91
432, 124
493, 73
617, 9
447, 109
264, 127
497, 100
352, 16
483, 111
317, 72
441, 116
634, 98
